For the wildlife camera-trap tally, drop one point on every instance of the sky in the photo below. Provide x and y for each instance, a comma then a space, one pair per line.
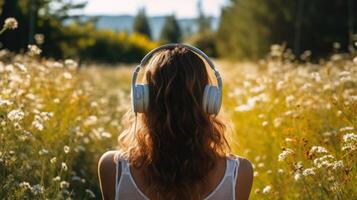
181, 8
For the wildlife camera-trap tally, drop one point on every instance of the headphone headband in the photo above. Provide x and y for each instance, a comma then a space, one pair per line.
173, 45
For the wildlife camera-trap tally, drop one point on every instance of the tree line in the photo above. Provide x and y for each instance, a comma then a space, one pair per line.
249, 27
246, 30
60, 34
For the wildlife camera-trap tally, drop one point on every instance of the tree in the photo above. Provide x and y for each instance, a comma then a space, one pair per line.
205, 37
37, 16
141, 23
248, 28
171, 31
204, 23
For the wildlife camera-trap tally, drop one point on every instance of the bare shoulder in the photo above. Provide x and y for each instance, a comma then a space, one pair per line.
244, 179
106, 173
107, 162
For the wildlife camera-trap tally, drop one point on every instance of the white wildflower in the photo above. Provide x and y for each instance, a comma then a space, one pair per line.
266, 189
71, 64
289, 99
64, 166
277, 122
90, 193
93, 104
64, 185
43, 152
57, 178
348, 147
38, 125
105, 134
45, 116
324, 161
37, 189
25, 185
316, 76
21, 67
16, 115
265, 123
344, 73
350, 137
53, 160
4, 102
347, 128
67, 75
66, 149
337, 165
309, 172
286, 152
276, 50
34, 50
279, 85
318, 149
57, 65
297, 176
91, 120
39, 38
10, 23
56, 100
298, 165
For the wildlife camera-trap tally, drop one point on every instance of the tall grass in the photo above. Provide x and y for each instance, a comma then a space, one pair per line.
296, 121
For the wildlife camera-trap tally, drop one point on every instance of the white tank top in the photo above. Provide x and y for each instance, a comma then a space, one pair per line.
126, 188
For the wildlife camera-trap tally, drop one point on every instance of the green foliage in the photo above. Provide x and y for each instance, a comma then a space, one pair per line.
45, 16
141, 24
296, 123
80, 40
206, 41
204, 23
53, 133
171, 31
84, 42
248, 28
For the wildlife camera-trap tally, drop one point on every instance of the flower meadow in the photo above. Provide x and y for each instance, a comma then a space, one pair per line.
56, 120
295, 120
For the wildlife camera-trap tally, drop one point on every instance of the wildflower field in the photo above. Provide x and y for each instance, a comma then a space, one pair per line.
296, 122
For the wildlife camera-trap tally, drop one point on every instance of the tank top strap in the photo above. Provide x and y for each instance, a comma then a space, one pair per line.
125, 167
231, 167
118, 178
236, 168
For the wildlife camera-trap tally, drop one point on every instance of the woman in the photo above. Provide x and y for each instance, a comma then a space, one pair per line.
177, 148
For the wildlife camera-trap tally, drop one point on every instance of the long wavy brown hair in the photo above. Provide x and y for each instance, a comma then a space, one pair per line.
175, 143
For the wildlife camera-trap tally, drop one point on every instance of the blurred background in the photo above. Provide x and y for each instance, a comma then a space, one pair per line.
289, 70
115, 31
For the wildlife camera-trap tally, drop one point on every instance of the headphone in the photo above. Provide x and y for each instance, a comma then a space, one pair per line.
212, 96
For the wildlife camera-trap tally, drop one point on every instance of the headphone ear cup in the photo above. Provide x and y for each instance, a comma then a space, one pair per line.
217, 101
140, 98
205, 98
211, 99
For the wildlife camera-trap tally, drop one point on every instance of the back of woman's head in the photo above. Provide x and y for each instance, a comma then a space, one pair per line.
176, 142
